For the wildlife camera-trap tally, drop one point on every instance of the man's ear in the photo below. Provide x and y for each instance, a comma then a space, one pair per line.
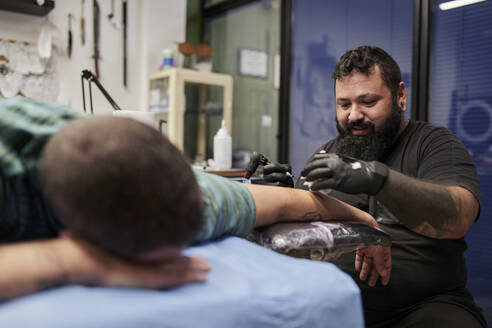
401, 96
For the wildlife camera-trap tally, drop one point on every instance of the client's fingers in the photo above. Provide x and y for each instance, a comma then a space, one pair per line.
388, 264
366, 267
373, 278
359, 257
380, 261
91, 265
176, 271
375, 262
169, 273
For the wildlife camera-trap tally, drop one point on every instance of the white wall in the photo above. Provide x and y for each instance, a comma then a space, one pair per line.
151, 26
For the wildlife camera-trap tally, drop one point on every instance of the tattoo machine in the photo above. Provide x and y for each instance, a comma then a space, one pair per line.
256, 160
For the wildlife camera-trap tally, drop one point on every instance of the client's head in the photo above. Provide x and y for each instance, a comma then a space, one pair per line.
121, 185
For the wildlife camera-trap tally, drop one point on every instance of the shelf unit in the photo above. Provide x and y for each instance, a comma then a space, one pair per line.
176, 80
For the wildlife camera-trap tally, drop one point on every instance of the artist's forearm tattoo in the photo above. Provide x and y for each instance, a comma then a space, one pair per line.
424, 207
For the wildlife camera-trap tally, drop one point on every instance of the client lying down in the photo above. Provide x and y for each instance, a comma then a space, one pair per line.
110, 201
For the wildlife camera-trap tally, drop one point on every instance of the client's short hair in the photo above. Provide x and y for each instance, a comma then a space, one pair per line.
121, 185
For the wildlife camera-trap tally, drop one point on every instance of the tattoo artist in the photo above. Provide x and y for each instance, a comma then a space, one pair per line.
423, 183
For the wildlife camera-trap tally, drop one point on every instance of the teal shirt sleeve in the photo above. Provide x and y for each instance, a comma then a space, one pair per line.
229, 207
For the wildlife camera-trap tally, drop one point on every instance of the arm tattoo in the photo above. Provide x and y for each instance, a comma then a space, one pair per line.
311, 216
43, 284
424, 207
439, 217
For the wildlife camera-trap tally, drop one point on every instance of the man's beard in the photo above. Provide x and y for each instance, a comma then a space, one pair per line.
372, 146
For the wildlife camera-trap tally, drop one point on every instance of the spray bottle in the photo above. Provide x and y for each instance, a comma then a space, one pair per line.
222, 149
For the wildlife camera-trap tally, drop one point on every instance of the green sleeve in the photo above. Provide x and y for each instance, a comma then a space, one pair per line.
25, 127
229, 208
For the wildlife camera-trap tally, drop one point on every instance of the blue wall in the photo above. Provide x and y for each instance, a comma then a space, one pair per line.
461, 90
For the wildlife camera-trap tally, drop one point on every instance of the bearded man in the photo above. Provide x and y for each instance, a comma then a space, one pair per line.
417, 179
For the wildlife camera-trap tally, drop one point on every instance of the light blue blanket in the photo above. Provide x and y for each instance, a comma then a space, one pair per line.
248, 286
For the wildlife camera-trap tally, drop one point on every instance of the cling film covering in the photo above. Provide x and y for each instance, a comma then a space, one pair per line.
322, 241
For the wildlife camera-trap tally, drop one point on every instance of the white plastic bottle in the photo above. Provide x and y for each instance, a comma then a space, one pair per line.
222, 149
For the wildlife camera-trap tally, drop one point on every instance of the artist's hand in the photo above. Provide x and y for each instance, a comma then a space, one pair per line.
346, 174
275, 174
375, 262
91, 265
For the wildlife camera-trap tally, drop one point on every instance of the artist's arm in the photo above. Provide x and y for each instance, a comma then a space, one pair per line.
430, 209
28, 267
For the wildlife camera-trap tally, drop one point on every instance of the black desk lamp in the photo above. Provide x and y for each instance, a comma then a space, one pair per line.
87, 75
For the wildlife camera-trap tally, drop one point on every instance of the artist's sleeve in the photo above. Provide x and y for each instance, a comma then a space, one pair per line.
229, 208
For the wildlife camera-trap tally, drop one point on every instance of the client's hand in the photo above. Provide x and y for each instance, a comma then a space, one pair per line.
374, 261
91, 265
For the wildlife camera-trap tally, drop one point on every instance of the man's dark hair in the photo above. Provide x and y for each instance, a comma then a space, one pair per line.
362, 59
121, 185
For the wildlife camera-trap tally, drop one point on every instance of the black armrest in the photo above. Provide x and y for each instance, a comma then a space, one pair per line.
322, 241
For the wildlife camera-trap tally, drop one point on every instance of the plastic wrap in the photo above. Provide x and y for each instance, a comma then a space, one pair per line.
322, 241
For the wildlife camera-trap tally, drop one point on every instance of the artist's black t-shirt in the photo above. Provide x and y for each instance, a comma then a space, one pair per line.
423, 267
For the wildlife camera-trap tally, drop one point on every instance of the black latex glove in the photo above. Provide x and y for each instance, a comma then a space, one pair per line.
346, 174
276, 174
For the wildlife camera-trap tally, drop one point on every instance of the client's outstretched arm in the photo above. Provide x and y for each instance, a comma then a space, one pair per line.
277, 204
34, 266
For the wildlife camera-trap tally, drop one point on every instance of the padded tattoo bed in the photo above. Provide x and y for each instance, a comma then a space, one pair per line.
248, 286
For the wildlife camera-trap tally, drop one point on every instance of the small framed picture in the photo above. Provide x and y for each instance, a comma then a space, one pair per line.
253, 63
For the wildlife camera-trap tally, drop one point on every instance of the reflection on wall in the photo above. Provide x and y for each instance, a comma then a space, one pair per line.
312, 101
462, 100
315, 118
471, 120
322, 32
